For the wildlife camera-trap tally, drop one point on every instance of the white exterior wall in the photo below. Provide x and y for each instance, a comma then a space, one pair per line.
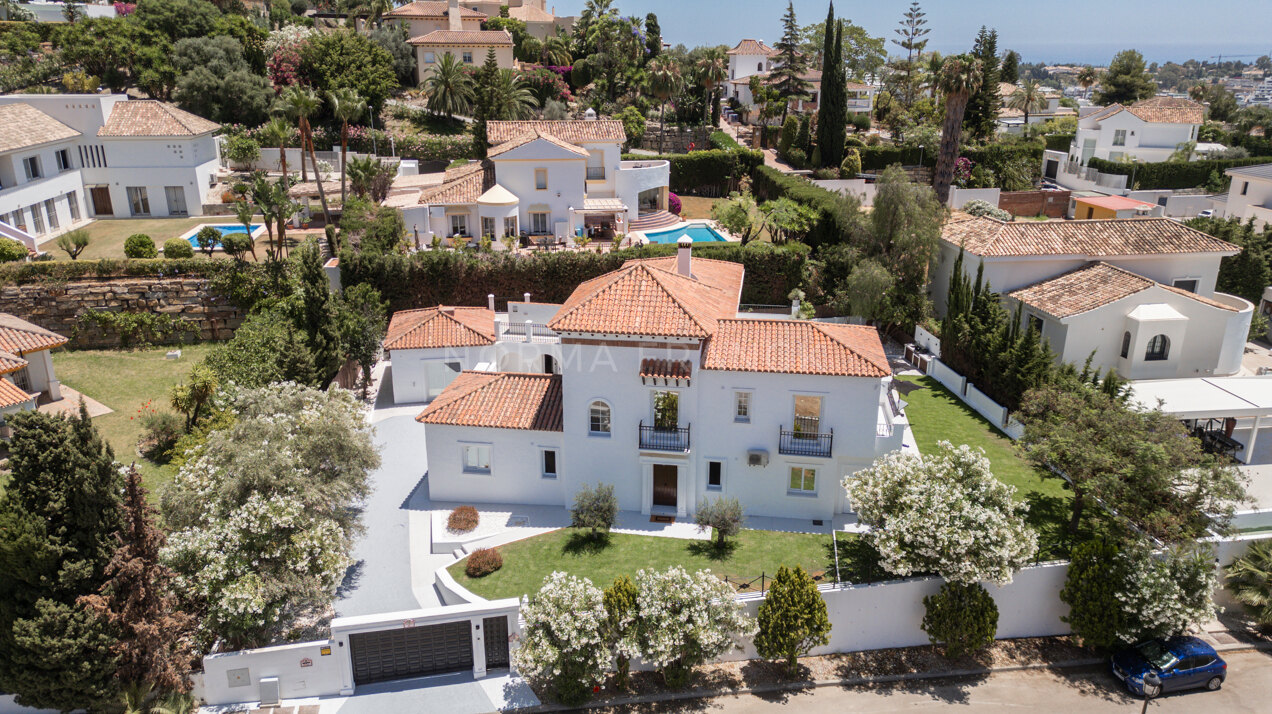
635, 177
19, 194
1254, 203
743, 66
516, 466
515, 171
410, 382
188, 162
1145, 141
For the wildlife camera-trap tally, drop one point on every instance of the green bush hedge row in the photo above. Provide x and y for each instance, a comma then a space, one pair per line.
1172, 174
837, 214
721, 140
1059, 142
53, 270
707, 173
878, 158
431, 278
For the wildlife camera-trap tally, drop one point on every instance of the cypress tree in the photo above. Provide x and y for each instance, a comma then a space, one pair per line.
482, 109
318, 311
832, 116
792, 619
58, 517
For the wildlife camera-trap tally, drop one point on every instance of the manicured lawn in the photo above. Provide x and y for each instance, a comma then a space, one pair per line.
937, 415
125, 380
528, 562
107, 236
696, 206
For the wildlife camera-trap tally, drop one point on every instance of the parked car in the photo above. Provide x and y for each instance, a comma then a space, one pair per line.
1169, 665
1208, 213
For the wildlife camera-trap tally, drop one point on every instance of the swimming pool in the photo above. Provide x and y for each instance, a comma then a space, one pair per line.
699, 232
193, 236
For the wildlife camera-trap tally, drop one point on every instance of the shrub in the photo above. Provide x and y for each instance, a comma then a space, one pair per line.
792, 619
462, 519
977, 207
564, 648
236, 245
595, 509
12, 250
962, 617
483, 562
1091, 592
816, 158
685, 620
826, 174
721, 140
853, 142
74, 242
1059, 142
1250, 581
1172, 174
861, 122
207, 237
723, 515
851, 165
673, 204
161, 431
711, 172
177, 248
837, 214
797, 158
140, 245
241, 149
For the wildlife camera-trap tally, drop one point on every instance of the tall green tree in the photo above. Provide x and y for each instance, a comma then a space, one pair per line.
347, 106
653, 37
1010, 72
58, 518
448, 88
792, 619
317, 316
713, 70
362, 326
960, 78
664, 81
620, 624
981, 116
790, 66
1028, 98
483, 102
301, 103
1127, 80
913, 32
832, 115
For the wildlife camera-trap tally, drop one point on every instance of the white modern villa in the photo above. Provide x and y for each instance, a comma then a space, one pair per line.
68, 158
752, 57
1146, 131
648, 379
1139, 294
544, 178
1250, 194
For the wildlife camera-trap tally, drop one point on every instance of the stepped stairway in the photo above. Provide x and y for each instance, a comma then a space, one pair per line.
653, 221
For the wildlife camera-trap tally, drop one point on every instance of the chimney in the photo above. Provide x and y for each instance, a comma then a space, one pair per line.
490, 301
527, 297
684, 247
454, 24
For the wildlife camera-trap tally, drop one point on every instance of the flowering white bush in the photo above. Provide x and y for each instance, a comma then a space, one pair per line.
1165, 593
288, 36
945, 514
685, 620
977, 207
563, 643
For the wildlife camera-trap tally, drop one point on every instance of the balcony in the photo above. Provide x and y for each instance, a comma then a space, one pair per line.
664, 438
800, 442
530, 332
596, 173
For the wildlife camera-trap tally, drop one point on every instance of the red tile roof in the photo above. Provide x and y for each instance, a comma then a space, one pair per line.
652, 368
435, 327
422, 9
648, 297
11, 363
752, 47
462, 185
464, 38
796, 347
19, 337
498, 400
532, 135
985, 236
1169, 110
147, 117
26, 126
11, 394
1093, 286
573, 131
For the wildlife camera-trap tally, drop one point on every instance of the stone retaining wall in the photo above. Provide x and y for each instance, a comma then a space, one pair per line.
57, 307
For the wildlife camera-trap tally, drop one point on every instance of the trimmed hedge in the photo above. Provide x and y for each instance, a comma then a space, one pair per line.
706, 173
721, 140
57, 270
1059, 142
431, 278
837, 215
878, 158
1173, 174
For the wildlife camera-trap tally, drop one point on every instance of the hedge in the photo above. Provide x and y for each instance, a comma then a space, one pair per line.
1172, 174
721, 140
706, 173
837, 215
878, 158
56, 270
431, 278
1059, 142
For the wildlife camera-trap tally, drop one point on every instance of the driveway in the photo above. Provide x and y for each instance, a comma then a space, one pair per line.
1084, 690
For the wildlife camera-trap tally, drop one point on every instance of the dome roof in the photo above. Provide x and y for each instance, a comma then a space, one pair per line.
497, 196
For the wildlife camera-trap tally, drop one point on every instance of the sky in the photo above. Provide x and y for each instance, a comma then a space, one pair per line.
1085, 31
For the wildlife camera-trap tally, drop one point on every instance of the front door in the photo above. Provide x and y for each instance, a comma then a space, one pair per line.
665, 485
101, 201
496, 641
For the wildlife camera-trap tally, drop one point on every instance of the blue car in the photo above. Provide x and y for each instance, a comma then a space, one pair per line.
1169, 665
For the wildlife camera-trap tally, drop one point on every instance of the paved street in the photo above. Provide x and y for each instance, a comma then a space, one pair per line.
1248, 689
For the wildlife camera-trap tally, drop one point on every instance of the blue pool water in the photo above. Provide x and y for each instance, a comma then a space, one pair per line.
194, 240
699, 233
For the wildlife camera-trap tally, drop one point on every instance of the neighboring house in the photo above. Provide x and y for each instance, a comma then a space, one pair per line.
470, 47
1250, 194
1102, 207
753, 57
1147, 131
1139, 294
423, 17
657, 387
100, 156
1012, 120
544, 178
26, 370
540, 21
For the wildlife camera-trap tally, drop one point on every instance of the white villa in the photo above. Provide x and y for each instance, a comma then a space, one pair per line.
1250, 194
1012, 120
648, 379
1139, 294
26, 370
66, 159
544, 178
752, 57
1147, 131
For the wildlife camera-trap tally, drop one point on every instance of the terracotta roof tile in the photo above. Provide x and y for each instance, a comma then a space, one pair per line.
19, 337
1106, 112
462, 185
796, 347
498, 400
574, 131
25, 126
467, 38
11, 394
432, 10
10, 362
530, 13
1198, 298
440, 327
752, 47
648, 297
533, 135
984, 236
1093, 286
1169, 110
148, 117
652, 368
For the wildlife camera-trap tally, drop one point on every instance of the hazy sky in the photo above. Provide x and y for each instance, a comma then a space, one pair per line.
1057, 31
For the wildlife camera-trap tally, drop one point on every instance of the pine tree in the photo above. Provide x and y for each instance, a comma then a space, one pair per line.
912, 31
1010, 71
981, 117
620, 626
155, 635
792, 619
791, 67
58, 517
482, 109
318, 313
832, 116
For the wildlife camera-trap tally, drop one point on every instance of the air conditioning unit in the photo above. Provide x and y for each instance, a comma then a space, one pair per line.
757, 457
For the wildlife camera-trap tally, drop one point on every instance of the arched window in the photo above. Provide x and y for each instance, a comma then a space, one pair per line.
1158, 349
598, 418
759, 66
1126, 345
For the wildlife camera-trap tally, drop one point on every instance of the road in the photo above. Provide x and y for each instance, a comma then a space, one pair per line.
1248, 689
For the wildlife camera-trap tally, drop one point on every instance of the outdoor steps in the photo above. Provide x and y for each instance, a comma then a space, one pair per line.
654, 221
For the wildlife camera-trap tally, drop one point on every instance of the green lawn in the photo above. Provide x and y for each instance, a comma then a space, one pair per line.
107, 235
124, 380
937, 415
528, 562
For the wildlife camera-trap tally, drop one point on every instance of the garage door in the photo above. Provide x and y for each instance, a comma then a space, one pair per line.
411, 652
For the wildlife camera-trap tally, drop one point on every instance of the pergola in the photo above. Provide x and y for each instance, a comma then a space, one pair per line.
1199, 398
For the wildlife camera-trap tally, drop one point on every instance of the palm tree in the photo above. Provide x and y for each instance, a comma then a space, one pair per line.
448, 87
302, 103
960, 77
556, 51
932, 74
1027, 98
1250, 581
1087, 77
712, 71
346, 106
510, 97
243, 212
1197, 92
276, 132
664, 81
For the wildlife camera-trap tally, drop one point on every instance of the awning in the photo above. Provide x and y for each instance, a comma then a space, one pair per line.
1207, 397
603, 205
665, 372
